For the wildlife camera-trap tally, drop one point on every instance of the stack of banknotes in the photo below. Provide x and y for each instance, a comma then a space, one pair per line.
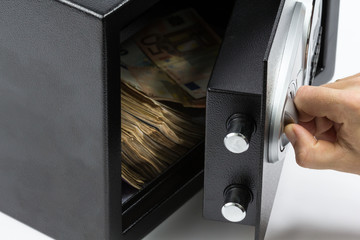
170, 60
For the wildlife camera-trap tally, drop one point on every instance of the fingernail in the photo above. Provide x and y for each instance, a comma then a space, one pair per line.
290, 134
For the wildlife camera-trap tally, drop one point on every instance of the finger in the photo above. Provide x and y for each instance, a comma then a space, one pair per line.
310, 126
349, 77
344, 83
337, 85
352, 83
337, 126
330, 135
319, 102
321, 128
312, 153
322, 125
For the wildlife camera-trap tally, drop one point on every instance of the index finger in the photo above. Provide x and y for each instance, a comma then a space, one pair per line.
320, 101
351, 82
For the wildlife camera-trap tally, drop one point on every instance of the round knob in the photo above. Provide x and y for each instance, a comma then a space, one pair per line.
233, 212
239, 131
237, 199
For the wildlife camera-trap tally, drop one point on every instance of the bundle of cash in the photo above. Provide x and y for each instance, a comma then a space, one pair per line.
170, 60
153, 136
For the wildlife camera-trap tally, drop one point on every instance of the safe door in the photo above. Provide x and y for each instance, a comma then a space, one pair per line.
270, 50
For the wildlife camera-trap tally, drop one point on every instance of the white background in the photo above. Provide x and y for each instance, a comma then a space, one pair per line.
309, 205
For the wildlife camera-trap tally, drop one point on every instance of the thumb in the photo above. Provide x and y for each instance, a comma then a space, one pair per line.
312, 153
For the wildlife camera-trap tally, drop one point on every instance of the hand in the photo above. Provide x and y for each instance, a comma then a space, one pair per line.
328, 133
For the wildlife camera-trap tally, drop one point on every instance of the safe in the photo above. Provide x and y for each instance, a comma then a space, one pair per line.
65, 164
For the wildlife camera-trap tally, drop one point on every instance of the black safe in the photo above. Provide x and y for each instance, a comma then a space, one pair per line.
60, 130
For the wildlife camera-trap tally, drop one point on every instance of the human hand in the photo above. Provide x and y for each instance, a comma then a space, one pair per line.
328, 133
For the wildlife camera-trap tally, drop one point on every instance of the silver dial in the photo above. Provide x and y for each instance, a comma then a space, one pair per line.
290, 77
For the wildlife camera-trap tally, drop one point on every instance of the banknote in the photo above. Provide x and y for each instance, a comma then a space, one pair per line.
153, 136
185, 47
151, 145
175, 125
140, 72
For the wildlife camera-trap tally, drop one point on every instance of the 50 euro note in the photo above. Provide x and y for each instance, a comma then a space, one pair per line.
140, 72
185, 47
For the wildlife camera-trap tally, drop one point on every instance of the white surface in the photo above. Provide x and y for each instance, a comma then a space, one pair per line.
310, 204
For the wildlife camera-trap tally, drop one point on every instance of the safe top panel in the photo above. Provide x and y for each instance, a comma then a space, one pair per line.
99, 8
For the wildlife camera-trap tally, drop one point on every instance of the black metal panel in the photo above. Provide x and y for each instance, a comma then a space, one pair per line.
113, 189
240, 66
223, 168
103, 8
238, 85
52, 128
99, 7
